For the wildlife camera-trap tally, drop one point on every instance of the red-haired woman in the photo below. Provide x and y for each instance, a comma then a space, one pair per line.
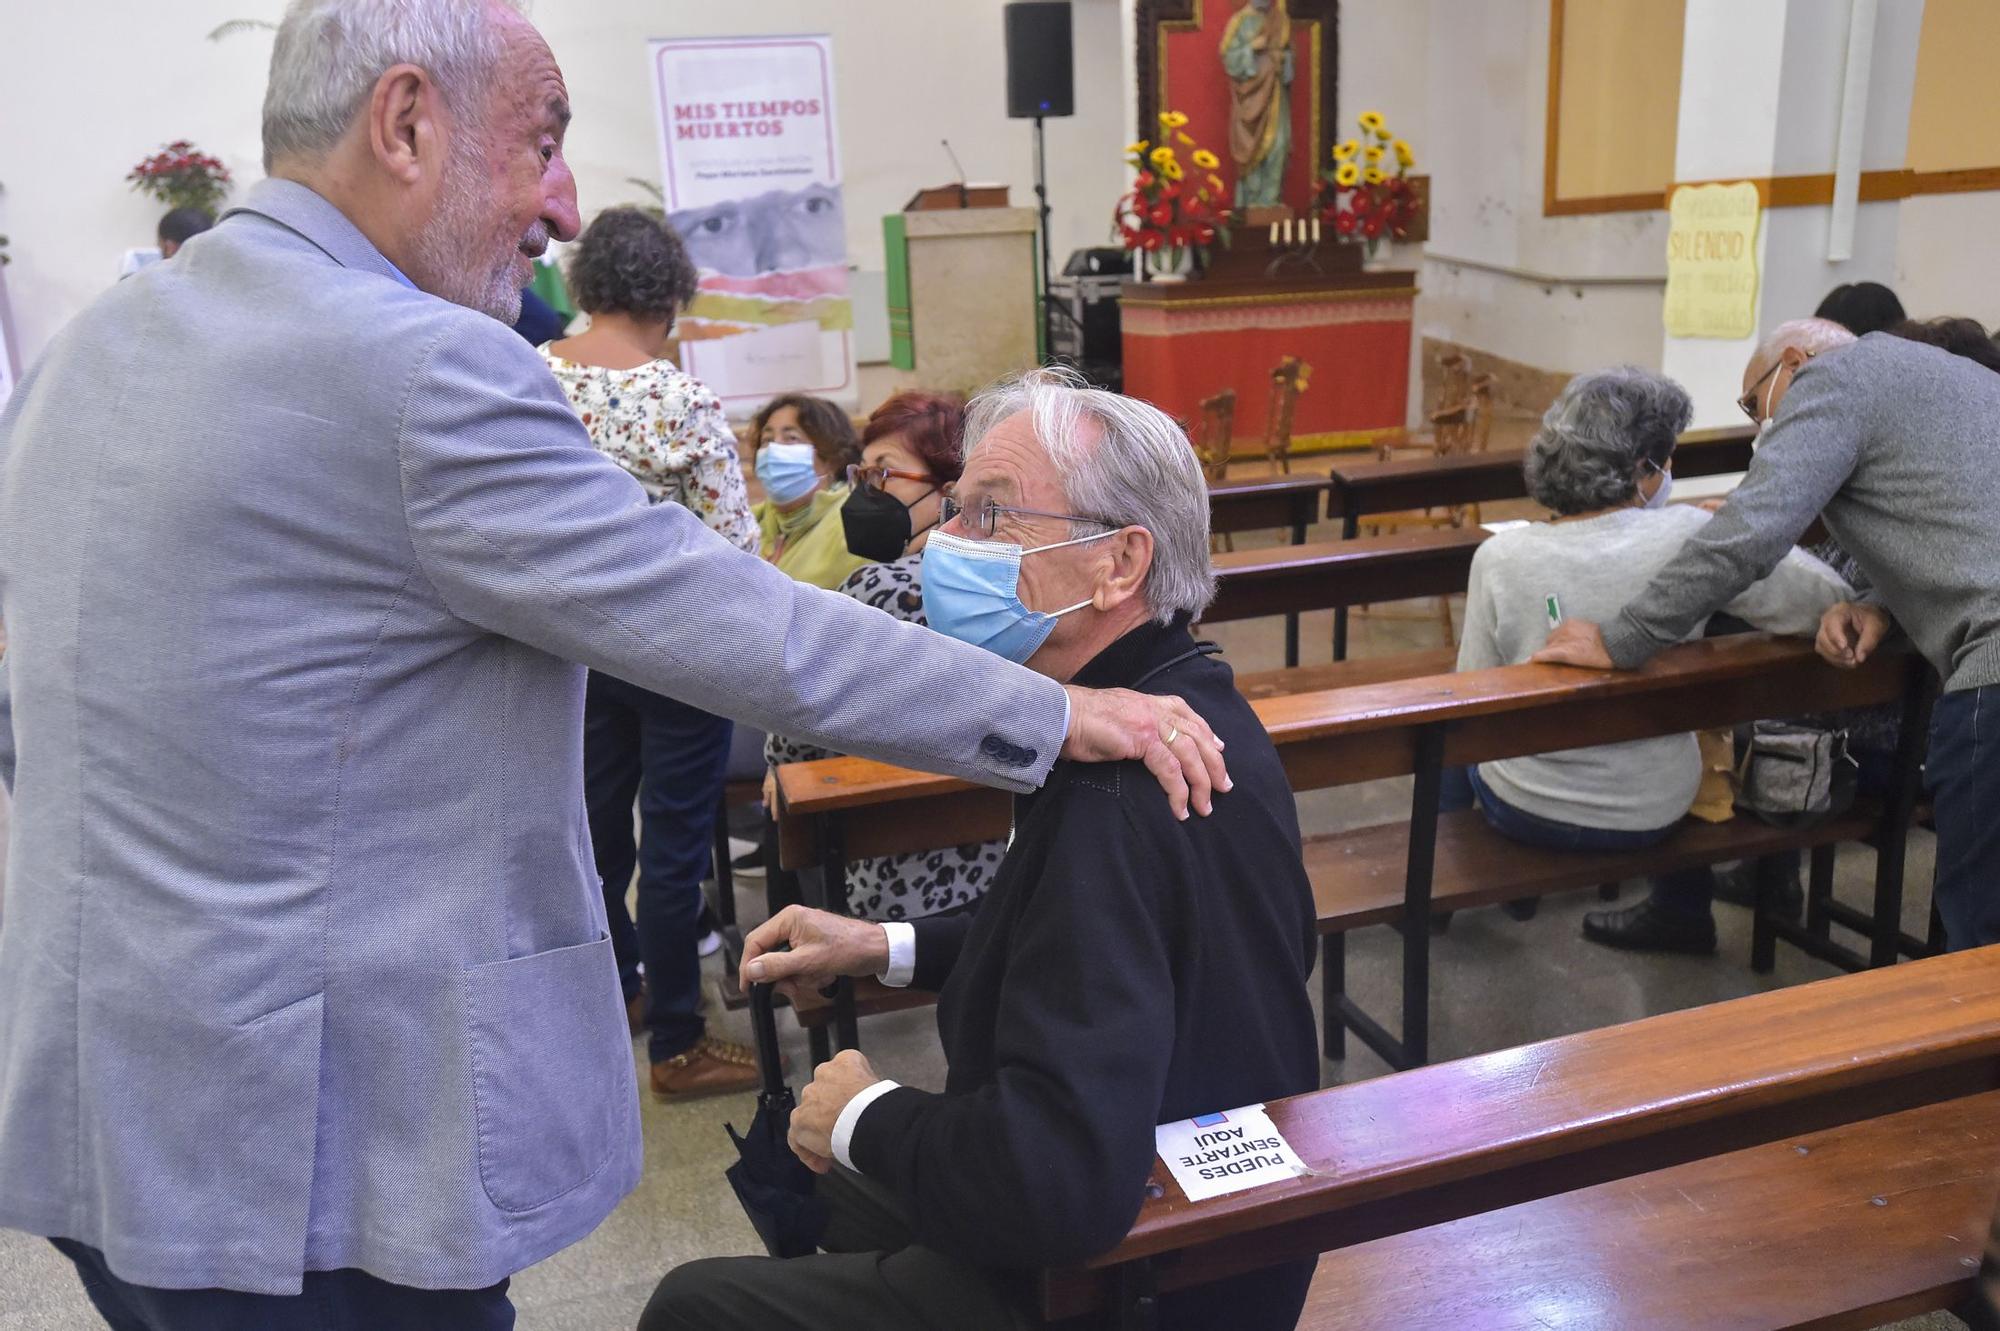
909, 453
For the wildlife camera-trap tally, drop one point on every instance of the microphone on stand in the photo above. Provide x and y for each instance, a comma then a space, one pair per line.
964, 195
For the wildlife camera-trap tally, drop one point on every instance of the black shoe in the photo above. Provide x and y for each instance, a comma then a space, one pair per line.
1522, 908
1647, 928
1738, 886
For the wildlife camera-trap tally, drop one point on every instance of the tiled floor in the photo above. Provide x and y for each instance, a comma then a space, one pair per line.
1497, 983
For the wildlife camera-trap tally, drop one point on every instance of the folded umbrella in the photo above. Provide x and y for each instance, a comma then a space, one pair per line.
772, 1183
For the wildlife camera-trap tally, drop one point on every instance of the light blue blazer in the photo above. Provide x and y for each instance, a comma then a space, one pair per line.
304, 963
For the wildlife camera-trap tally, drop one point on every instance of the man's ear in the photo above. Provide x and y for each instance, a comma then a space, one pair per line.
403, 133
1131, 559
1793, 358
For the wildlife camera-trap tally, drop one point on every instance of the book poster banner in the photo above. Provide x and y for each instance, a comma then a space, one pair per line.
750, 170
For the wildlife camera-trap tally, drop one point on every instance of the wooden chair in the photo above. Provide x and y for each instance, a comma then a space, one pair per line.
1287, 382
1218, 427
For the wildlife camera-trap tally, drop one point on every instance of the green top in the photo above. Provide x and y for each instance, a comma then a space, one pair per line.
816, 550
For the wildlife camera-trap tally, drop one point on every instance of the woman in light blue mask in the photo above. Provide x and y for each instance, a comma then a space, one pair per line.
804, 447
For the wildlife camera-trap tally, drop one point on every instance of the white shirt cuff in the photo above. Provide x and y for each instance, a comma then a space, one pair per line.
850, 1118
902, 967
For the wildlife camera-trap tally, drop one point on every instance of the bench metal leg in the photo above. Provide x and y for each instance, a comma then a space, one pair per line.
1137, 1297
1887, 935
725, 878
830, 894
1332, 989
1763, 936
1819, 890
1417, 895
1350, 526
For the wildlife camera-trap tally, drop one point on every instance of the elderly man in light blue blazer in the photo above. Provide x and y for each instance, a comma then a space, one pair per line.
307, 1011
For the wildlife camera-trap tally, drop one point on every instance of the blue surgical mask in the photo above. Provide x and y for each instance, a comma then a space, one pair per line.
972, 592
787, 471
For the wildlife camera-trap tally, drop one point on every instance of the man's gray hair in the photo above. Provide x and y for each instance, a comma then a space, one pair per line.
1597, 439
1120, 460
330, 53
1811, 336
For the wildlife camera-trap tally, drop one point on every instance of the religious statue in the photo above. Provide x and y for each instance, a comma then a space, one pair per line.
1257, 56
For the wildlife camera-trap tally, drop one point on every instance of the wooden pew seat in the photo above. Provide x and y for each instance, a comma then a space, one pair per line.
1398, 1154
1357, 876
1853, 1226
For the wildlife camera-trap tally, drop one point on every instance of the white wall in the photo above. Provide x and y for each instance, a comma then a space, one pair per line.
1942, 260
86, 89
1559, 293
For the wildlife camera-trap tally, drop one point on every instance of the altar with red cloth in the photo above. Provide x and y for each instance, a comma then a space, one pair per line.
1185, 341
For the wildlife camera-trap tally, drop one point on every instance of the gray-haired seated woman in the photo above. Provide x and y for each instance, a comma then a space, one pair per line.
1602, 462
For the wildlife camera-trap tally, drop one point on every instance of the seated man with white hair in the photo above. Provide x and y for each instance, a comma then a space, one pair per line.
1897, 446
1125, 969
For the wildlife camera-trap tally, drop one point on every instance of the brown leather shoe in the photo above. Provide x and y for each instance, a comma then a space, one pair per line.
635, 1012
712, 1067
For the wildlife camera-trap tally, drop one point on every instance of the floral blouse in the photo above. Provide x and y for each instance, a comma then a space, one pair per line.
901, 887
668, 431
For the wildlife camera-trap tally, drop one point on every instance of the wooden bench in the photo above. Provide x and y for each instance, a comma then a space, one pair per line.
849, 808
1846, 1125
1287, 502
1358, 489
1327, 575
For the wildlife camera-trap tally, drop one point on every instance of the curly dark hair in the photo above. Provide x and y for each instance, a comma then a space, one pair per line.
1959, 336
630, 262
829, 428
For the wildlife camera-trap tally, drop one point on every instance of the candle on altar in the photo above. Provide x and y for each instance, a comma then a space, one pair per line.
1274, 235
1288, 231
1315, 231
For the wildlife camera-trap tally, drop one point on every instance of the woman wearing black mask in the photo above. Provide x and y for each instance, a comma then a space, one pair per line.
909, 453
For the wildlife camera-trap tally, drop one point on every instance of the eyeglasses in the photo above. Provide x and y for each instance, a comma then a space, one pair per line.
983, 516
860, 476
1748, 402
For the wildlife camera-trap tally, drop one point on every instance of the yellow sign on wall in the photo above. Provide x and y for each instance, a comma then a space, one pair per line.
1712, 261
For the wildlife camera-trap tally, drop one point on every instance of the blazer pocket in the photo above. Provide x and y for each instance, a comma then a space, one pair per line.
551, 1068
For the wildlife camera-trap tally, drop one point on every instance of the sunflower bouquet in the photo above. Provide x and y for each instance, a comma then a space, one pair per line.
1173, 208
1367, 195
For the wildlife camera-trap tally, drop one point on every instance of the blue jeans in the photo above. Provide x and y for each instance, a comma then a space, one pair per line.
1964, 783
1684, 891
671, 758
330, 1301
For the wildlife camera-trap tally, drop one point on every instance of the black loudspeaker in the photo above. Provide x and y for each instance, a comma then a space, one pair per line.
1040, 72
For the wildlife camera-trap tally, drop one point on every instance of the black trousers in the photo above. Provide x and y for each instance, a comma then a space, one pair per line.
871, 1278
330, 1301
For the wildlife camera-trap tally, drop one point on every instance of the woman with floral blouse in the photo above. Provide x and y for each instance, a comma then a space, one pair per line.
631, 275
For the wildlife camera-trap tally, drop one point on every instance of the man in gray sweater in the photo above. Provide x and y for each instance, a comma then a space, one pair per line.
1894, 444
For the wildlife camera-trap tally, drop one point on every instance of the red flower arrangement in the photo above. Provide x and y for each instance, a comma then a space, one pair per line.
1358, 198
1166, 214
181, 176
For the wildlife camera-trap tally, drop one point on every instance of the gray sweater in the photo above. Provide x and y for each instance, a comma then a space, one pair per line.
1898, 446
1594, 566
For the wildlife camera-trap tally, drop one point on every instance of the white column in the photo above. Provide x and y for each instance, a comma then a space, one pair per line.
1761, 96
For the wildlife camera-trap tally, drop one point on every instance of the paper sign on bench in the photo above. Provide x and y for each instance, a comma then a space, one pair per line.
1223, 1153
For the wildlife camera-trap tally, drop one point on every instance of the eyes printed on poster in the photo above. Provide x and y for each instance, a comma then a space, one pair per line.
777, 231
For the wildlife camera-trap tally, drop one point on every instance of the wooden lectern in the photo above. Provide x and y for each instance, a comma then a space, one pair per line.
961, 195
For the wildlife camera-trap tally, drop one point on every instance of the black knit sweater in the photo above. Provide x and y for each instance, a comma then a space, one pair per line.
1124, 970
